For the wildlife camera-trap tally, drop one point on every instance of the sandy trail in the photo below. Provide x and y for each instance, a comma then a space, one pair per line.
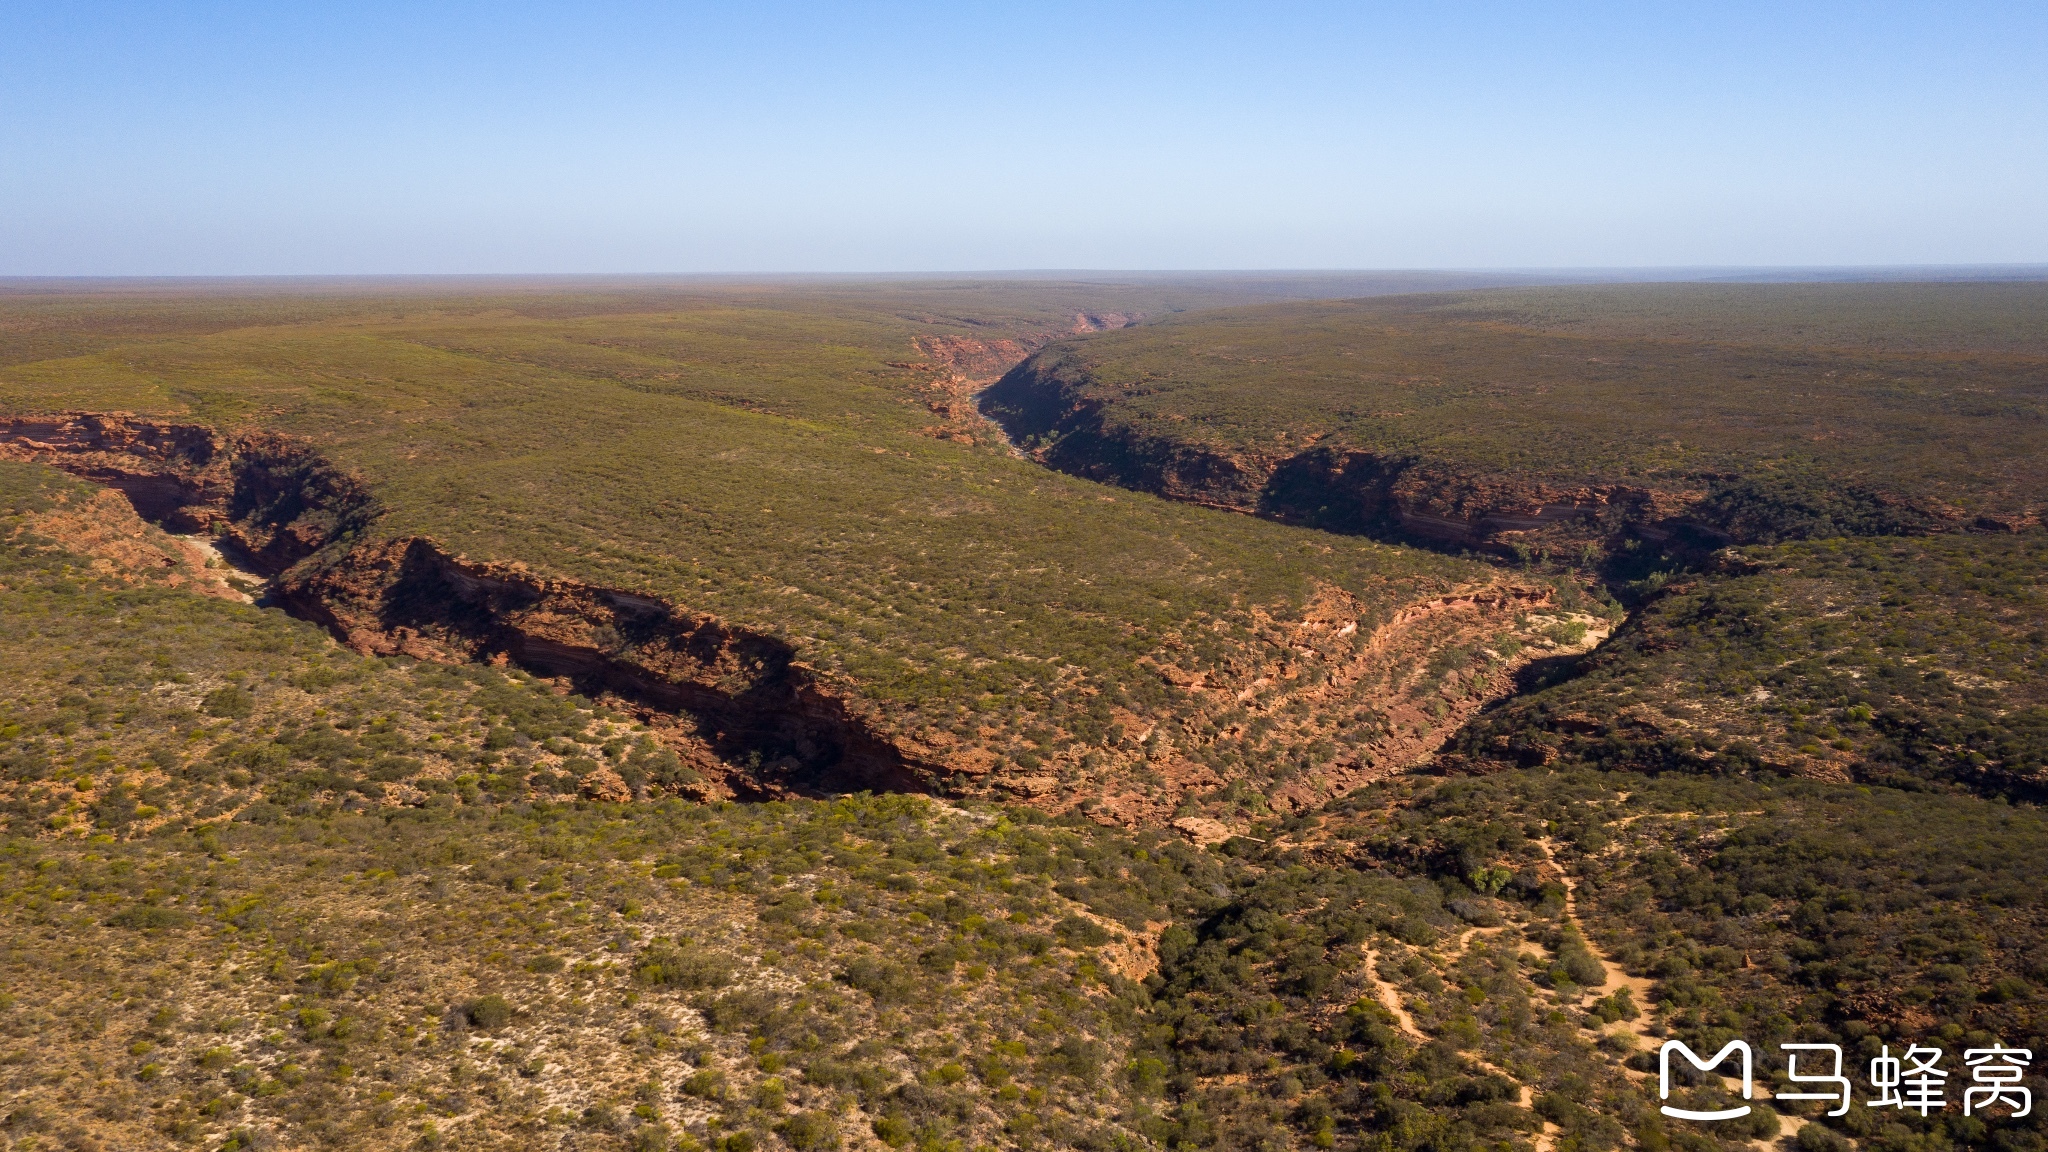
1640, 991
1390, 998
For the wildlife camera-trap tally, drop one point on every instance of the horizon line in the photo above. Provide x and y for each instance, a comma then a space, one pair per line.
1648, 273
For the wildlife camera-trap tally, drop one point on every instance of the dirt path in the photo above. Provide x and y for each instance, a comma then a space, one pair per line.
1640, 991
1390, 999
1639, 987
1465, 939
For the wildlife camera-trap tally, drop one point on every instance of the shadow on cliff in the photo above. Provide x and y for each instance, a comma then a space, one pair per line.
742, 692
281, 509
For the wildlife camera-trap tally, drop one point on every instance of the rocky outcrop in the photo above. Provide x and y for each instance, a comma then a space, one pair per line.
1334, 692
1046, 408
100, 525
955, 368
734, 701
1337, 698
958, 368
1045, 404
268, 496
1053, 409
174, 474
1363, 492
288, 502
1085, 322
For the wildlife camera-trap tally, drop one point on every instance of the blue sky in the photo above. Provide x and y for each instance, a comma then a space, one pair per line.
226, 138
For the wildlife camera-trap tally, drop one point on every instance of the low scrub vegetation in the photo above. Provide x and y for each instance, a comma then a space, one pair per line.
1918, 663
764, 458
1772, 909
1752, 413
261, 891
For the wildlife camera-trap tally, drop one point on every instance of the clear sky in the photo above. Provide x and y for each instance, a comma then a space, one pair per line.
368, 137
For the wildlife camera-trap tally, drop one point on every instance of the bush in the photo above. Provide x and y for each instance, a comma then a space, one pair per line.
489, 1013
670, 966
1078, 1057
892, 1130
810, 1132
887, 982
1579, 962
1817, 1138
1080, 932
148, 916
705, 1084
1477, 913
230, 703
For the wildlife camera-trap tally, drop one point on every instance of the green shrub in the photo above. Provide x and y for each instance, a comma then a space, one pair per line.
705, 1083
149, 916
810, 1132
489, 1013
887, 982
670, 966
232, 702
1080, 932
1579, 963
892, 1130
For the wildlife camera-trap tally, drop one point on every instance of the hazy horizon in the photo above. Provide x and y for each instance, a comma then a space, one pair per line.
1506, 277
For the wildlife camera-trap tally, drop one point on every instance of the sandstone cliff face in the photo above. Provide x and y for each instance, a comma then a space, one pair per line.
120, 545
957, 368
270, 496
288, 502
1307, 706
1348, 490
1352, 704
1366, 702
735, 703
1045, 404
1085, 322
175, 474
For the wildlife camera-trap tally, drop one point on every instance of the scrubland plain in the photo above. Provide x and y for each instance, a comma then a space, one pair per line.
672, 717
